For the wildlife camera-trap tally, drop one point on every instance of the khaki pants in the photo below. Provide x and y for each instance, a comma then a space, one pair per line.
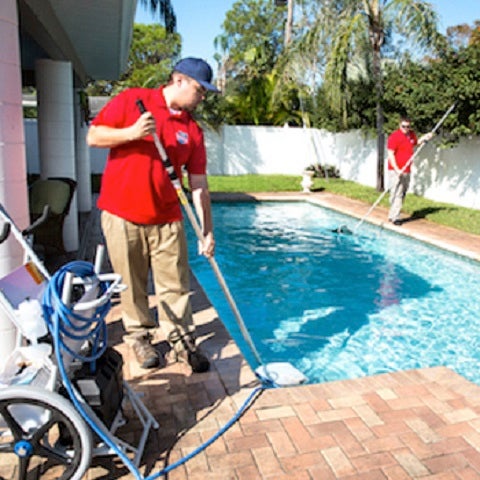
398, 185
134, 250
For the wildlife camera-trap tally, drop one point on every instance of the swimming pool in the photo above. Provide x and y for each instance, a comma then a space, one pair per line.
341, 306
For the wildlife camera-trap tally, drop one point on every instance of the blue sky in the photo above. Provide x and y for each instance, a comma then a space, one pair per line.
199, 22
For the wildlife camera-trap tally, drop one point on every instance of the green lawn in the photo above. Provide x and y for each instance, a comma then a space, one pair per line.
465, 219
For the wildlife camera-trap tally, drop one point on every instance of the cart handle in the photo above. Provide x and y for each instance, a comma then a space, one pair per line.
115, 287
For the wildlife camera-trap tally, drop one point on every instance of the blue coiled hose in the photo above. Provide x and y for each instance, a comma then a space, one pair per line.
73, 326
64, 324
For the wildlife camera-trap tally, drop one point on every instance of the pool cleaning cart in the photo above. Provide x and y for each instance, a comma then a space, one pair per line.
62, 392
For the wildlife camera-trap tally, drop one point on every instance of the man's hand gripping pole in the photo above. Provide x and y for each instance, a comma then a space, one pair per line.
166, 161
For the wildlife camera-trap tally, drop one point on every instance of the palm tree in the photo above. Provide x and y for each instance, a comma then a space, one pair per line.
359, 31
167, 14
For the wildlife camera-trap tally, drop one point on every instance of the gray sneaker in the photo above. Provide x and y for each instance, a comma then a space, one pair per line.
145, 354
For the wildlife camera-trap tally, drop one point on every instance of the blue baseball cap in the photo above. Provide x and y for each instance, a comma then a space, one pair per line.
197, 69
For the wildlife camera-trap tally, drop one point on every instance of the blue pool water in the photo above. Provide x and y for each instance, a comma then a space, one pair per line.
340, 306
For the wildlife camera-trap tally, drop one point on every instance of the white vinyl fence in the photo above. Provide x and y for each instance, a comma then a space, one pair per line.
445, 175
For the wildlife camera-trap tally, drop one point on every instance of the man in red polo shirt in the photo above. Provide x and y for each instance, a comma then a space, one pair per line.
141, 215
400, 145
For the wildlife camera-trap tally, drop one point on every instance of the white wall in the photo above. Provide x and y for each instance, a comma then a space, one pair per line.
451, 176
444, 175
270, 150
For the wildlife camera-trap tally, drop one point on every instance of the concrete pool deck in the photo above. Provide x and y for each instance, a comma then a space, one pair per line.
415, 424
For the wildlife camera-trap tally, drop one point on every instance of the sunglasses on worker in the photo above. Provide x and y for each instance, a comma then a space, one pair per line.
199, 89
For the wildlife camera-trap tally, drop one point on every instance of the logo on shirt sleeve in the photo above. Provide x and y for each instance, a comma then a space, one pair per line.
182, 138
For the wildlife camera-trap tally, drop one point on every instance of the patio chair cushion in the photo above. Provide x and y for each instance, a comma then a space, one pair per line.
57, 193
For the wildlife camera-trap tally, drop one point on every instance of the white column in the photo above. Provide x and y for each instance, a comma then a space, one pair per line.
82, 158
13, 182
56, 132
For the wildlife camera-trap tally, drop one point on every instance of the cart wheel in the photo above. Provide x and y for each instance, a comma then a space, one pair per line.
43, 432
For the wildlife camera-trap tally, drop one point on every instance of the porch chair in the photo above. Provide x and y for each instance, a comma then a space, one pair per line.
57, 193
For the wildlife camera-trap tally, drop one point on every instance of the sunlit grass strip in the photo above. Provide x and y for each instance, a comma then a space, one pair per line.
465, 219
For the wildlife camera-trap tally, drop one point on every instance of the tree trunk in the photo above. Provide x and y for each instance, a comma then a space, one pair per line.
380, 148
377, 76
289, 23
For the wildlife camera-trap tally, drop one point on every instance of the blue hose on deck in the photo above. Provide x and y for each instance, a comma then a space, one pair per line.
212, 439
93, 329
